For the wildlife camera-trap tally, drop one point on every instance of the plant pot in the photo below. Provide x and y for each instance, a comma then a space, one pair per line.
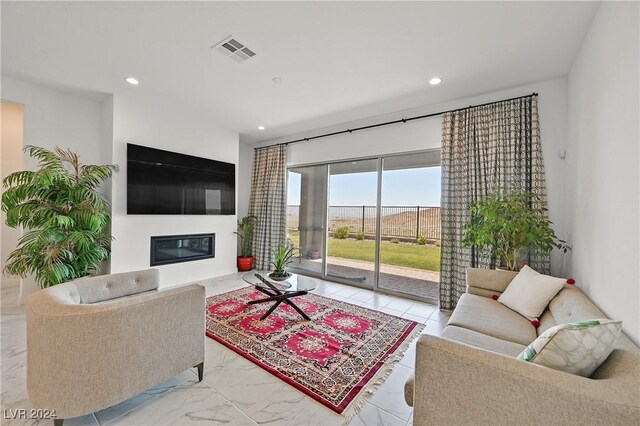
279, 277
245, 263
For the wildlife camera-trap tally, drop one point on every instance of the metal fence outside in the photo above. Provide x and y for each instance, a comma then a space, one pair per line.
396, 221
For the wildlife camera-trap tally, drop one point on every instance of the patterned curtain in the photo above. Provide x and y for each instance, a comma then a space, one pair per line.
484, 148
268, 201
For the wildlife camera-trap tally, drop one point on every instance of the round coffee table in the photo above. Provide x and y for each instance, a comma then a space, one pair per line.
280, 291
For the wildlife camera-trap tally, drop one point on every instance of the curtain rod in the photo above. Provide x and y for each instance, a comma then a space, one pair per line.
386, 123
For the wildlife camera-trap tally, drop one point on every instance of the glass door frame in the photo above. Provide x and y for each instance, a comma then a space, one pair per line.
325, 224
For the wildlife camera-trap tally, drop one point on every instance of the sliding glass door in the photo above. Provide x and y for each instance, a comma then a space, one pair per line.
372, 223
307, 188
410, 225
351, 240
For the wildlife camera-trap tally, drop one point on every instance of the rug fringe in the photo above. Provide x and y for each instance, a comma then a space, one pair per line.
381, 376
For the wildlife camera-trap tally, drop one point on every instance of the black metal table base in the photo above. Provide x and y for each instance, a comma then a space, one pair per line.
278, 297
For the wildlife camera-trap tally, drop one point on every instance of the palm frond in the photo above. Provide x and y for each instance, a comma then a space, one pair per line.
67, 220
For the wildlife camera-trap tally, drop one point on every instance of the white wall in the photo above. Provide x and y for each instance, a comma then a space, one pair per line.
426, 133
161, 124
602, 190
12, 120
57, 118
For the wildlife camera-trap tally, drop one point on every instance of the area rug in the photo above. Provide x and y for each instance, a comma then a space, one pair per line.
337, 358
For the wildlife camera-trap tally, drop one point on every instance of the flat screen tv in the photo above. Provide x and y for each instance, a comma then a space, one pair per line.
164, 182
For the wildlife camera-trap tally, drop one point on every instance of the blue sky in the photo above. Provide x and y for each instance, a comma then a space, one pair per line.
408, 187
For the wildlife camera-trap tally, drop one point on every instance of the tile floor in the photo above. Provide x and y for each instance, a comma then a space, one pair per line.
234, 391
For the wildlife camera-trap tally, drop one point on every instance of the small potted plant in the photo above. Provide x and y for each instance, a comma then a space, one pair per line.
282, 257
245, 230
504, 225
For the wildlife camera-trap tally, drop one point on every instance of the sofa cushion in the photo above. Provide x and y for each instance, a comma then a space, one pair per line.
107, 287
546, 321
482, 341
489, 317
571, 304
577, 348
530, 292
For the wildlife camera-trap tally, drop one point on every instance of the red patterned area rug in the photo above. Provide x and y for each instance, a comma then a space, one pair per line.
337, 358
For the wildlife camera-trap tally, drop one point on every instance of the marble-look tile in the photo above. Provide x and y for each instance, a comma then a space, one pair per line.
417, 318
381, 300
262, 396
372, 415
421, 309
401, 305
259, 394
433, 327
390, 396
189, 403
440, 316
410, 422
113, 412
314, 414
362, 296
409, 358
348, 291
337, 296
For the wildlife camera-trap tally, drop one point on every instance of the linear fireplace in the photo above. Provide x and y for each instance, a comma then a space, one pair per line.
166, 249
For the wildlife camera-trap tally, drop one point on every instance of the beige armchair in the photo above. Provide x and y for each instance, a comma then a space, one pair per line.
94, 342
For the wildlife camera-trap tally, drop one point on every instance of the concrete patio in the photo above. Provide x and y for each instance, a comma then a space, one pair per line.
416, 282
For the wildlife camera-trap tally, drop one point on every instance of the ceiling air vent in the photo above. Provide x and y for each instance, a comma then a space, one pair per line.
234, 49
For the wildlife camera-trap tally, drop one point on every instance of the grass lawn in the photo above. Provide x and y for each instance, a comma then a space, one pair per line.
407, 255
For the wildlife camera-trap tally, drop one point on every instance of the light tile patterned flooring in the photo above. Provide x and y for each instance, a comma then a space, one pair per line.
234, 391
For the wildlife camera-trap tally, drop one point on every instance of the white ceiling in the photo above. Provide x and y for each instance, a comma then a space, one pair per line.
338, 61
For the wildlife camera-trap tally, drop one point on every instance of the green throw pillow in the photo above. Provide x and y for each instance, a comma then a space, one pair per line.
577, 348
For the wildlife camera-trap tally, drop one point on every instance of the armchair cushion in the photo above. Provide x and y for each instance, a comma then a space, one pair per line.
107, 287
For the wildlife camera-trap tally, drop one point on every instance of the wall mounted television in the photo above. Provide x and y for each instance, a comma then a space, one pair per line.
168, 183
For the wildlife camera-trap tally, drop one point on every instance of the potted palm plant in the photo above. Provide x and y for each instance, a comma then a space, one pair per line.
65, 218
504, 225
282, 257
245, 230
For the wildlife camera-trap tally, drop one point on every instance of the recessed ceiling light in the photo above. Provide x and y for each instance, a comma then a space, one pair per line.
435, 81
260, 127
131, 80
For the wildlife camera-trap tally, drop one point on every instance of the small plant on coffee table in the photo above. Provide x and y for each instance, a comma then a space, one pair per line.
282, 257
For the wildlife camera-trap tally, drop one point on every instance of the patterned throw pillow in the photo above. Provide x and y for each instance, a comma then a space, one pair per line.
577, 348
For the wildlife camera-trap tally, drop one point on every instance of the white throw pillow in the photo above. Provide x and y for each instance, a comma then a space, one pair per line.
576, 348
529, 292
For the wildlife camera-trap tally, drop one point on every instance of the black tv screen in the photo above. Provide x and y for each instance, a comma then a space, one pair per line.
164, 182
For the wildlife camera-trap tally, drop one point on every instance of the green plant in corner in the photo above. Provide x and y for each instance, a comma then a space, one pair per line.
65, 218
245, 230
282, 257
507, 224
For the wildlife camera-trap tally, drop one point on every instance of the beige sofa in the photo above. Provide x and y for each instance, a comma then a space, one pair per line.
471, 376
94, 342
